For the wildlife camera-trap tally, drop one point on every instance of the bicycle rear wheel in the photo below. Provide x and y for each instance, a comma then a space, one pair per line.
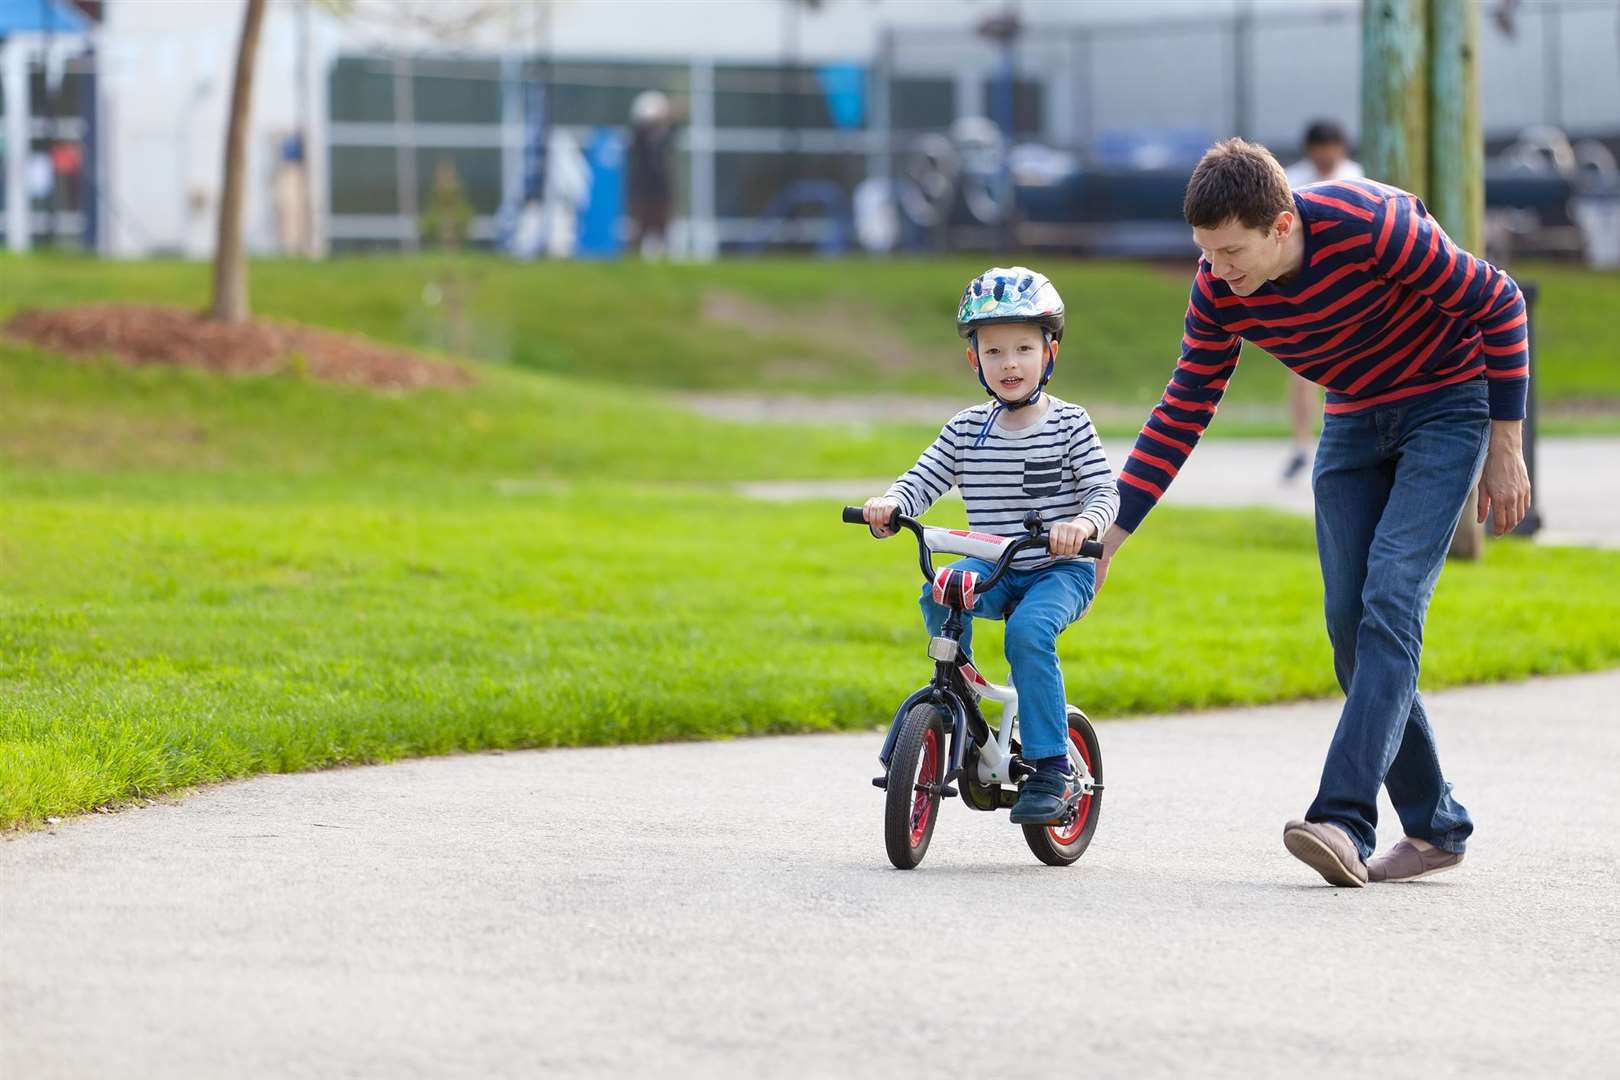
1061, 845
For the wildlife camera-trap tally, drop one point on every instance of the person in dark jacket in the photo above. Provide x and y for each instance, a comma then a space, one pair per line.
652, 188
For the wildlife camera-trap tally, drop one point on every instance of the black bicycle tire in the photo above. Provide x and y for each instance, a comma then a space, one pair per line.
1039, 837
898, 796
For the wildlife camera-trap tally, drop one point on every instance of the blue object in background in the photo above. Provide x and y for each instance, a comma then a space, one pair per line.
535, 132
1147, 148
600, 232
40, 17
844, 86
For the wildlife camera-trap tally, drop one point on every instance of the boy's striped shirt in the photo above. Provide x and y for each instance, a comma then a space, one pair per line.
1384, 308
1056, 467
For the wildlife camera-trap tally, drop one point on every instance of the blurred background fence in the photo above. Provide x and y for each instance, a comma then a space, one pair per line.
831, 125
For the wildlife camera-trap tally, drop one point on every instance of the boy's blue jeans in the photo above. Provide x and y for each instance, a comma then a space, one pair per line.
1389, 483
1038, 605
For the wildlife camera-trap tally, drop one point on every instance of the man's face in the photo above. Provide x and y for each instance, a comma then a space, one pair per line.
1326, 157
1012, 357
1242, 257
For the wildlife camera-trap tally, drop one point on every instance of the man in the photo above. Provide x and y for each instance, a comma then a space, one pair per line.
1423, 350
1327, 157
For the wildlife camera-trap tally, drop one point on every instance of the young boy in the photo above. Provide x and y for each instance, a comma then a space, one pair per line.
1022, 450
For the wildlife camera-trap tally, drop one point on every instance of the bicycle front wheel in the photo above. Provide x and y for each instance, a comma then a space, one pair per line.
911, 803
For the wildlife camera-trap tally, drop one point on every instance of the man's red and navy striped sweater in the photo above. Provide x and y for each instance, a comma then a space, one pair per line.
1384, 307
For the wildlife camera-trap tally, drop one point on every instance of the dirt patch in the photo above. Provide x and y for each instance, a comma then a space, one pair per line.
851, 333
1584, 409
110, 441
164, 335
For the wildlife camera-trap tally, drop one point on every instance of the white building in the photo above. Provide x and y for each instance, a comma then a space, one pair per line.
386, 91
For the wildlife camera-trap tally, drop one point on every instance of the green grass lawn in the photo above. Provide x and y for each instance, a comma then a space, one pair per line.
804, 326
203, 578
147, 644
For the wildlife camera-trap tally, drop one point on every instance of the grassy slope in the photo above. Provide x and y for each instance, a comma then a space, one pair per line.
203, 578
789, 326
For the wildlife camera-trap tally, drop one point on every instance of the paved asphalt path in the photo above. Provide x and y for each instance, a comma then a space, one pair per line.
727, 908
1577, 484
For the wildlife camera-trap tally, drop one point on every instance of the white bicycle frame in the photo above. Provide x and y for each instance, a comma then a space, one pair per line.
995, 756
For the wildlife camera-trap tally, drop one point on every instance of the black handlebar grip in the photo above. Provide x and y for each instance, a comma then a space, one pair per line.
854, 515
1091, 549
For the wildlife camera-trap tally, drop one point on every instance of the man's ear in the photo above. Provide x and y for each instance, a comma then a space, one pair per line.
1283, 223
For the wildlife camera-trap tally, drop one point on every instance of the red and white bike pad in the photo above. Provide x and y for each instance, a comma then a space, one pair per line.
987, 546
970, 585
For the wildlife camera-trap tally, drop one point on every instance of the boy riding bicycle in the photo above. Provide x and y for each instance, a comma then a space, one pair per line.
1024, 450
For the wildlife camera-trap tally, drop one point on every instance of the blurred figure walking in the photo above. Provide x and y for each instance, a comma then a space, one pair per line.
651, 172
1327, 157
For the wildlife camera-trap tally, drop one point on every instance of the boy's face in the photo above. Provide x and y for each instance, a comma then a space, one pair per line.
1012, 357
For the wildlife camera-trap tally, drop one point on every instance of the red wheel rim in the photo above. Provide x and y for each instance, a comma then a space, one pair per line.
922, 806
1063, 836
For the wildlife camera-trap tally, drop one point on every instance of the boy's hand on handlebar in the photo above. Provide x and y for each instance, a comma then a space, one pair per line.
1067, 536
879, 511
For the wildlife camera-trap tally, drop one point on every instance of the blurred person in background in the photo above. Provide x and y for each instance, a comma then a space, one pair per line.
1327, 157
651, 172
566, 192
289, 194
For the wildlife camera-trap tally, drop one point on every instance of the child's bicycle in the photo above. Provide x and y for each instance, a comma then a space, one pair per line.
919, 765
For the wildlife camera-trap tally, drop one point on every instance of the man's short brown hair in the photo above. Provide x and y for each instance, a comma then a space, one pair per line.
1237, 179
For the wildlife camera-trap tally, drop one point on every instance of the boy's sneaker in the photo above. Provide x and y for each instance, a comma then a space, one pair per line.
1045, 797
1411, 859
1328, 850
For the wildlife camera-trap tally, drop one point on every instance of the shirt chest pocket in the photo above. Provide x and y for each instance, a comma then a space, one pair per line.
1043, 477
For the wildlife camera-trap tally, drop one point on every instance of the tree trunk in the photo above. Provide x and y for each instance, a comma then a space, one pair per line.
1457, 164
230, 264
1395, 93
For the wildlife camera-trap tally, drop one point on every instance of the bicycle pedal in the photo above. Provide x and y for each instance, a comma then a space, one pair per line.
944, 791
881, 782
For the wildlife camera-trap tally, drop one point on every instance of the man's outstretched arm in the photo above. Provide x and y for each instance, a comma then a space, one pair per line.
1209, 356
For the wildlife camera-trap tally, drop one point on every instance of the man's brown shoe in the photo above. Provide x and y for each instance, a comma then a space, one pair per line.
1328, 850
1411, 859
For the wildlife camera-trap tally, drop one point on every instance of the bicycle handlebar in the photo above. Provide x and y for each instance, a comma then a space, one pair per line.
1036, 537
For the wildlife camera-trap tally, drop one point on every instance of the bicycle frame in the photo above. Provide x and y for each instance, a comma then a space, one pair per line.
957, 686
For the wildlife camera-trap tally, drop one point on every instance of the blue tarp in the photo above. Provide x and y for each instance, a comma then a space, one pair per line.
845, 88
40, 17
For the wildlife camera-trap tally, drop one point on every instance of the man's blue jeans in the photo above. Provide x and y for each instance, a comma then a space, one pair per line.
1038, 605
1389, 483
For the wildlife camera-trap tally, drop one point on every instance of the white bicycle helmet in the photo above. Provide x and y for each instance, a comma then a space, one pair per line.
1014, 294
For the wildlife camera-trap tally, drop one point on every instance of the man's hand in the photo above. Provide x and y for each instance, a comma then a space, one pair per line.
1067, 536
1504, 486
878, 511
1112, 539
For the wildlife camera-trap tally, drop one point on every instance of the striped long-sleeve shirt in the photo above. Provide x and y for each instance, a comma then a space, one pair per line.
1055, 466
1384, 307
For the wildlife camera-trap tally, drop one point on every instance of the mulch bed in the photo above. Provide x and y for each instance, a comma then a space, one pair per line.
164, 335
